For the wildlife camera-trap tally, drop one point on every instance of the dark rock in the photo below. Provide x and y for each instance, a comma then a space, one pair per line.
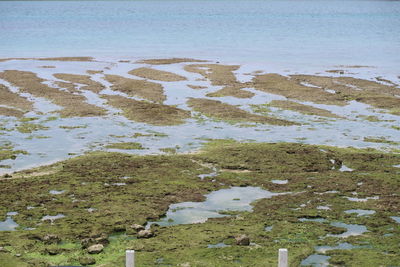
87, 261
53, 250
51, 239
242, 240
95, 239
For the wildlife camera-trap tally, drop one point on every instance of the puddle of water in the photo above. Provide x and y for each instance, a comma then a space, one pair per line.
320, 220
316, 260
232, 199
323, 208
53, 218
355, 199
8, 225
396, 218
360, 212
56, 192
352, 229
208, 175
218, 245
119, 184
279, 181
344, 246
344, 168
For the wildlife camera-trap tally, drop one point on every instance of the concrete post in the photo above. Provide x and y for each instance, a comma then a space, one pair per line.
283, 257
130, 258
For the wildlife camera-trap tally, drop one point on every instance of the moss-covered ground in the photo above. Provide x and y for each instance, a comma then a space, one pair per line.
103, 194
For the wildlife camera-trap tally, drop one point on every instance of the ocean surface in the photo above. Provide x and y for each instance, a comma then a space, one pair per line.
297, 33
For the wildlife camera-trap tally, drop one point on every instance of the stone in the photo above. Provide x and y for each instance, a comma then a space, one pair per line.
242, 240
4, 250
53, 250
87, 261
95, 239
51, 239
137, 227
95, 249
145, 234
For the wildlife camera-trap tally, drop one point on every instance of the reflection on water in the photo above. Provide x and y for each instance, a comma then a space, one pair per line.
352, 229
9, 224
316, 260
232, 199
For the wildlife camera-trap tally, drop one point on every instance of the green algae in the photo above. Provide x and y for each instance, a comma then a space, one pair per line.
125, 145
7, 152
154, 182
30, 127
226, 112
382, 140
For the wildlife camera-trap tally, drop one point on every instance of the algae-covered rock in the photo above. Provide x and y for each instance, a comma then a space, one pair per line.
53, 250
51, 239
95, 249
95, 239
145, 234
87, 261
137, 227
242, 240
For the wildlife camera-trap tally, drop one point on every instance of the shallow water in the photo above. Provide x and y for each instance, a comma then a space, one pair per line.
232, 199
52, 218
316, 260
352, 229
344, 246
360, 212
62, 141
8, 224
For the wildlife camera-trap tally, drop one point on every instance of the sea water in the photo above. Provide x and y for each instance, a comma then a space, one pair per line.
288, 33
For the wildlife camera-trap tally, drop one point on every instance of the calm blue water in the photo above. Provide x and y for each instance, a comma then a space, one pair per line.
287, 32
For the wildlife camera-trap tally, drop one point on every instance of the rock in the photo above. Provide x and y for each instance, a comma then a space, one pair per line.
95, 239
145, 234
242, 240
87, 261
53, 250
137, 227
95, 249
119, 228
2, 249
51, 239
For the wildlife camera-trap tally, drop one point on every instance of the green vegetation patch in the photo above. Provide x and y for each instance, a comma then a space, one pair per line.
7, 152
152, 113
158, 75
222, 111
104, 194
30, 127
302, 108
137, 88
125, 145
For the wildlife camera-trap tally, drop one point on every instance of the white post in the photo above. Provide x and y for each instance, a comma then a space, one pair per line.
130, 258
283, 257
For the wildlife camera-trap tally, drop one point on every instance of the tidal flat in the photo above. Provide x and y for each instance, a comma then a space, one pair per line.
196, 153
